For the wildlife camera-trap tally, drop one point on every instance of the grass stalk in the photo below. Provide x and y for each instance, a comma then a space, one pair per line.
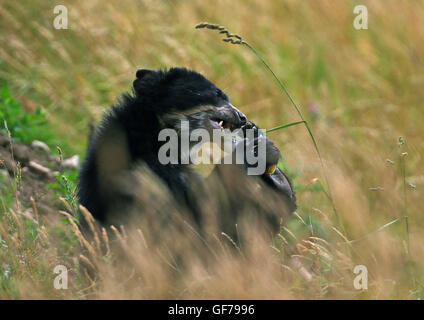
285, 126
402, 156
236, 39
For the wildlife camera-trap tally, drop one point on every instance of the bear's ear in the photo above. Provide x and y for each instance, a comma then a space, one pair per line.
141, 73
143, 81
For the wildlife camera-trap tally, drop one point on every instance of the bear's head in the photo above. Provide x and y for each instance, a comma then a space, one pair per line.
181, 94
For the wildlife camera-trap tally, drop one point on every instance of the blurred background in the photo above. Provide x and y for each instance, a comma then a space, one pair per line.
360, 90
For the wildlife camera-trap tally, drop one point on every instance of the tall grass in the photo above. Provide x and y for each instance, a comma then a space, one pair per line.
150, 259
229, 38
359, 92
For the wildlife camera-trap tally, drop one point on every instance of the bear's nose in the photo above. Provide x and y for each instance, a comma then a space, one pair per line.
243, 118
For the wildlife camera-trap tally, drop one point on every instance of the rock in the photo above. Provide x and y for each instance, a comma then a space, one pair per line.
54, 159
38, 168
71, 163
4, 140
40, 146
21, 154
10, 165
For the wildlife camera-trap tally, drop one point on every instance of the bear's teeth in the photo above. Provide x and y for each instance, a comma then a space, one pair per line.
220, 123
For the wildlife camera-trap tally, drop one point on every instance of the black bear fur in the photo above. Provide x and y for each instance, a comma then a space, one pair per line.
128, 136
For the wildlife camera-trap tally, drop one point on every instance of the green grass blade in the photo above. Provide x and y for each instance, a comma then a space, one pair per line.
238, 40
284, 126
283, 87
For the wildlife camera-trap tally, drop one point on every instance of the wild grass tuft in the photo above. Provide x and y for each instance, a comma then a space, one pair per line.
358, 90
230, 39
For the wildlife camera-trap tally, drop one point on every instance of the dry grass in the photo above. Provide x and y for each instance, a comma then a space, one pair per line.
160, 256
360, 91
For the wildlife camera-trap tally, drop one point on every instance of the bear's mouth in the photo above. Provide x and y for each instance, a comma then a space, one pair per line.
222, 124
227, 117
225, 121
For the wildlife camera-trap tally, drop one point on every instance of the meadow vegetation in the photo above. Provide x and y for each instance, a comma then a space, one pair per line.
360, 91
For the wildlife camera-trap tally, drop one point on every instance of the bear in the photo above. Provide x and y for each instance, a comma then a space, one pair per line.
127, 137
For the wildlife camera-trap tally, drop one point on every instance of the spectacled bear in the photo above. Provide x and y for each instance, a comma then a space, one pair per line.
128, 136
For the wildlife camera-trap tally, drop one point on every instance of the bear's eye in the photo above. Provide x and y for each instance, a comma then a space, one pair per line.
219, 93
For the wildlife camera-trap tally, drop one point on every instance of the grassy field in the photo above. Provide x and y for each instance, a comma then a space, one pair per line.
361, 91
